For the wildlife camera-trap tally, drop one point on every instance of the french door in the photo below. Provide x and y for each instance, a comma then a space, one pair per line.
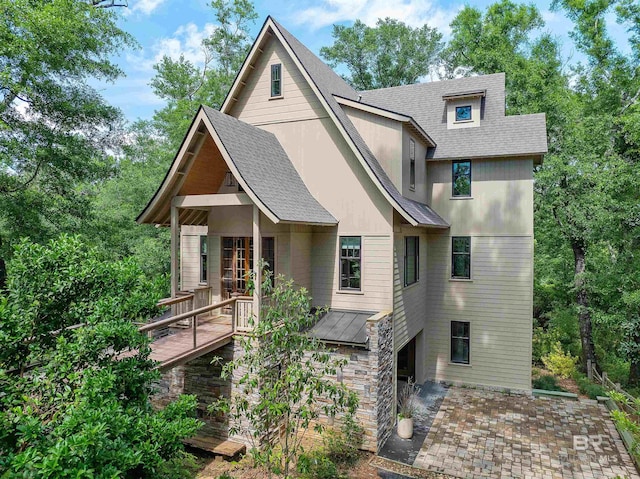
237, 262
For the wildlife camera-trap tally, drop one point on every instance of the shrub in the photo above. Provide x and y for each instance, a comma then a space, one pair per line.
560, 363
587, 387
317, 466
342, 446
547, 383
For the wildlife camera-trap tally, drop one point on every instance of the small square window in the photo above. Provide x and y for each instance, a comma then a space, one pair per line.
276, 80
463, 113
461, 257
460, 342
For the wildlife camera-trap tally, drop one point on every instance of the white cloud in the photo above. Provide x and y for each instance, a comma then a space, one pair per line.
145, 7
412, 12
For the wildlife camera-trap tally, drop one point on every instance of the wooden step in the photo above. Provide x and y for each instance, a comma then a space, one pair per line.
223, 447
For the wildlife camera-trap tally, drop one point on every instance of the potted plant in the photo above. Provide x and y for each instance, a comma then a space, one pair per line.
407, 407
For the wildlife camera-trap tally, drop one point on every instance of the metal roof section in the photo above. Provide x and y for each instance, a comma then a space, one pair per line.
342, 327
464, 94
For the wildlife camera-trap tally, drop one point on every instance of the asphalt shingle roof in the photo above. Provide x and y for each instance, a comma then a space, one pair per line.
497, 135
268, 171
329, 84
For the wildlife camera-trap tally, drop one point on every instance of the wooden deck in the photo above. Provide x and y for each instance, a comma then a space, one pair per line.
178, 348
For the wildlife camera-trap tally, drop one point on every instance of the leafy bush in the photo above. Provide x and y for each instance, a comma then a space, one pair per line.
560, 363
225, 475
317, 466
625, 422
547, 383
588, 388
342, 446
75, 402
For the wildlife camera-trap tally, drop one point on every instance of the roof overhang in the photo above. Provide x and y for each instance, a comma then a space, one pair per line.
408, 121
465, 94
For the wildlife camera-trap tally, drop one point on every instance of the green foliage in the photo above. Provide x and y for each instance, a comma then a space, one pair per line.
185, 86
75, 402
628, 422
389, 54
559, 363
587, 387
547, 383
343, 446
225, 475
286, 379
56, 129
317, 465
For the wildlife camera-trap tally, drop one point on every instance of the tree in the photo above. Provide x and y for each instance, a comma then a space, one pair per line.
55, 129
283, 377
389, 54
186, 86
75, 401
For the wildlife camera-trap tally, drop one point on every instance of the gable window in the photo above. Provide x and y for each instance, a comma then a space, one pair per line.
203, 259
411, 259
461, 257
460, 342
461, 178
350, 262
276, 80
412, 165
463, 113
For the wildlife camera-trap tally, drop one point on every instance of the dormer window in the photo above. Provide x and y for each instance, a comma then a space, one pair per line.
463, 113
276, 80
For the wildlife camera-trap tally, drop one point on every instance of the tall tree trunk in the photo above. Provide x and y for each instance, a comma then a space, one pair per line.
582, 298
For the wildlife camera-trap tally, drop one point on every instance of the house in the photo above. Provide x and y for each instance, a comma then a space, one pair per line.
408, 211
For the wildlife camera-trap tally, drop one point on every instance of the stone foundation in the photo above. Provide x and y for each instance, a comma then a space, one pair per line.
368, 372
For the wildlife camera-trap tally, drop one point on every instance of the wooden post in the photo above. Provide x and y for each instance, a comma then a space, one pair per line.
194, 325
234, 316
257, 254
175, 250
604, 379
589, 370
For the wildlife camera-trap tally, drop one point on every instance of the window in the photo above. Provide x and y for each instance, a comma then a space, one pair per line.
461, 257
269, 254
460, 342
276, 80
461, 178
463, 113
350, 262
203, 259
412, 165
411, 256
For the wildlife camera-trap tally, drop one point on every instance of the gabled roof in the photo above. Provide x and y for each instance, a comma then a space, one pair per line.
498, 135
261, 167
326, 83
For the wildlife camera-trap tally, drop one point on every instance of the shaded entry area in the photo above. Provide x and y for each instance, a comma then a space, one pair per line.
407, 361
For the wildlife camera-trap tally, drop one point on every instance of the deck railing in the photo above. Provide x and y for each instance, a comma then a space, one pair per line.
192, 316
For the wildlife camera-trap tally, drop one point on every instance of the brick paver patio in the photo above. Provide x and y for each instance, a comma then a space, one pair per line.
479, 433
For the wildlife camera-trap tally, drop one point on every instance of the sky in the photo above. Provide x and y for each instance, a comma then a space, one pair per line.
174, 27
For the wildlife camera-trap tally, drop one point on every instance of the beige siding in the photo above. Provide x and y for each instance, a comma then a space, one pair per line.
376, 274
300, 256
502, 197
497, 302
190, 256
383, 136
420, 191
298, 102
410, 302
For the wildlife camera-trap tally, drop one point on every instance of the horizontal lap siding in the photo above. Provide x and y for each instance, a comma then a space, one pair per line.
376, 274
190, 256
498, 304
300, 247
409, 303
298, 102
